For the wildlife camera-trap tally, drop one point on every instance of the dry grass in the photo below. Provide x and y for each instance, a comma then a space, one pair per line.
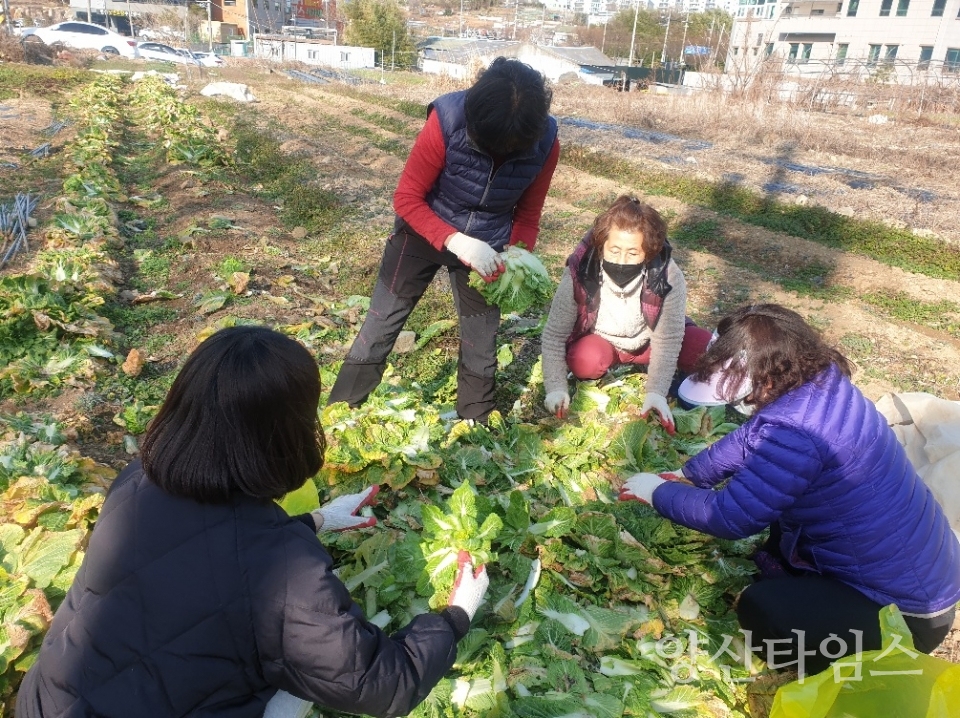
10, 49
908, 162
36, 53
735, 120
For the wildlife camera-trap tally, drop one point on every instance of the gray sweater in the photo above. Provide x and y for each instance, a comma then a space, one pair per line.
620, 322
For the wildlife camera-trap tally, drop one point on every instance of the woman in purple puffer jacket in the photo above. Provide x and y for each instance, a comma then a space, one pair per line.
852, 526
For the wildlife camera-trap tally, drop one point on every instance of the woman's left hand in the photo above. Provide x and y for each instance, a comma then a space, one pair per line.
640, 487
341, 513
659, 404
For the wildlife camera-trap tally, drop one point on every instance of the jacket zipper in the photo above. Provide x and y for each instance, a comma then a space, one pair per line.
486, 191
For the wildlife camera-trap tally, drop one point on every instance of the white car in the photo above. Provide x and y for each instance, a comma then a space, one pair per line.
82, 36
209, 59
166, 53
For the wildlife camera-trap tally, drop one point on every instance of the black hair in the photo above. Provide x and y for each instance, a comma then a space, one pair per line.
241, 417
507, 107
773, 346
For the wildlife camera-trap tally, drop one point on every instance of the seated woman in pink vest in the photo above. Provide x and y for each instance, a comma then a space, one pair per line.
621, 300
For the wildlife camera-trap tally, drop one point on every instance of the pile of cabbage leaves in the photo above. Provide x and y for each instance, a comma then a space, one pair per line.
596, 607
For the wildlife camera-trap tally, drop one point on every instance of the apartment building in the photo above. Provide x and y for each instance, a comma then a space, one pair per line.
909, 40
600, 11
252, 16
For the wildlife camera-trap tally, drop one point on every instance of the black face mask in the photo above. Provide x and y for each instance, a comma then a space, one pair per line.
622, 274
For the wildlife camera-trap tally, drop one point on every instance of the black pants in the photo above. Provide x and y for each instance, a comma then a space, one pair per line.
409, 265
772, 609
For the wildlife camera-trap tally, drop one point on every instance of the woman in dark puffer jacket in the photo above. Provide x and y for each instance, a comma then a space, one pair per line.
199, 596
853, 528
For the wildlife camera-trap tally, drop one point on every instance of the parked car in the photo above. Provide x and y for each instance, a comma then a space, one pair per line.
82, 36
166, 53
209, 59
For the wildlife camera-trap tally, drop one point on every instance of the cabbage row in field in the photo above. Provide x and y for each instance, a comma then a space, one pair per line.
52, 337
49, 498
50, 333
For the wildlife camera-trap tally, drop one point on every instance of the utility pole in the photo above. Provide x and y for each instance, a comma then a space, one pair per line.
633, 35
683, 42
209, 25
461, 18
89, 11
7, 20
393, 53
716, 52
663, 53
603, 42
516, 17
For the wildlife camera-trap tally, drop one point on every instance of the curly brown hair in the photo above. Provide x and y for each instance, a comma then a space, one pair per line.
629, 214
771, 345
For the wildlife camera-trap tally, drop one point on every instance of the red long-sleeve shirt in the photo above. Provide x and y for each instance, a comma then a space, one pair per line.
424, 165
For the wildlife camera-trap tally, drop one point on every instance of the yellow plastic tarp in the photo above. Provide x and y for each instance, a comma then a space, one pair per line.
895, 682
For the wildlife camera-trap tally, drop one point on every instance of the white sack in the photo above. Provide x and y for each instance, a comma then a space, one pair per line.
240, 93
929, 430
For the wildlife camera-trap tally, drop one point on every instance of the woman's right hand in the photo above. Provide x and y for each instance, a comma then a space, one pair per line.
470, 586
557, 403
479, 256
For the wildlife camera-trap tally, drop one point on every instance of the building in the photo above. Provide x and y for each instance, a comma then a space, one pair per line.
902, 40
559, 62
601, 11
249, 16
313, 51
462, 59
252, 16
117, 14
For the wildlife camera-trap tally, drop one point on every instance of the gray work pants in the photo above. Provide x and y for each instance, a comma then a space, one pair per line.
409, 265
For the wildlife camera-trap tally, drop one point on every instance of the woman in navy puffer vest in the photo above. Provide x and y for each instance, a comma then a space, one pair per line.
474, 183
853, 528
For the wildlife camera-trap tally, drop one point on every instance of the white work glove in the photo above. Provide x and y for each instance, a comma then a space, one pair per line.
557, 403
285, 705
341, 513
470, 586
477, 255
675, 475
659, 405
640, 487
